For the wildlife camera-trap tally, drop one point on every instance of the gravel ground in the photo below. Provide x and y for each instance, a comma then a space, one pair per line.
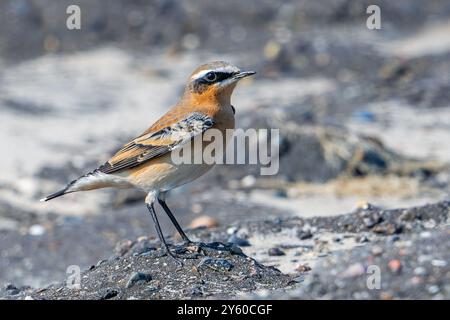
407, 248
363, 118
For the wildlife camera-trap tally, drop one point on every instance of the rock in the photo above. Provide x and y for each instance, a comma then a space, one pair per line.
354, 270
235, 249
395, 266
215, 264
204, 221
11, 289
151, 289
123, 247
387, 229
232, 230
369, 222
299, 279
238, 241
377, 250
425, 234
248, 181
109, 293
363, 239
364, 205
433, 289
276, 252
281, 193
420, 271
438, 263
100, 262
303, 268
142, 247
36, 230
138, 277
195, 291
304, 234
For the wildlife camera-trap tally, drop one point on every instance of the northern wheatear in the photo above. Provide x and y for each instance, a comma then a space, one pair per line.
146, 163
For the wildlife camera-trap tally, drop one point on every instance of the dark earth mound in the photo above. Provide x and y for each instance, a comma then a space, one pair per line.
407, 247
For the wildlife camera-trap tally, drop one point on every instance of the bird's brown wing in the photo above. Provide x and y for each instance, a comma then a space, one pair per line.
155, 143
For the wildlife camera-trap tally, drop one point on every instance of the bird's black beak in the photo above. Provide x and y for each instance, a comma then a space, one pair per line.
235, 78
244, 74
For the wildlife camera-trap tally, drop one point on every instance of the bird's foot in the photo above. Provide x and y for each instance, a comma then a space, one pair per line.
188, 250
175, 256
197, 247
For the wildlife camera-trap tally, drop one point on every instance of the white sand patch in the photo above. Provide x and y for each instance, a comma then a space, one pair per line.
420, 133
305, 252
433, 39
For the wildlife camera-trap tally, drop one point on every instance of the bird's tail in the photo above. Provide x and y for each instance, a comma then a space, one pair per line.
54, 195
90, 181
59, 193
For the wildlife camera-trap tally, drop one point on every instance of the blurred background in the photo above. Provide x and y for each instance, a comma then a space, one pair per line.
364, 114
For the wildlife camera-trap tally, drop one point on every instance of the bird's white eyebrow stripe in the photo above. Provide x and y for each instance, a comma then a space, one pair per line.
220, 69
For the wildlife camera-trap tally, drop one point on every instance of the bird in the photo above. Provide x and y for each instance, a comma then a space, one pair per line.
146, 161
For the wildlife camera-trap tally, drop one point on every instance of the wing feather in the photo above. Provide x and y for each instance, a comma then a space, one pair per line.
151, 145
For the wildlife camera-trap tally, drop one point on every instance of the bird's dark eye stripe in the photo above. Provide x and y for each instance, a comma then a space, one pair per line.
219, 77
202, 83
222, 76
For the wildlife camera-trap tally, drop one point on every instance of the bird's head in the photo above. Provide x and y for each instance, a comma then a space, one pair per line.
215, 80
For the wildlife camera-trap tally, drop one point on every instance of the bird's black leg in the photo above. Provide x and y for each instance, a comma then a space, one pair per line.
160, 234
183, 235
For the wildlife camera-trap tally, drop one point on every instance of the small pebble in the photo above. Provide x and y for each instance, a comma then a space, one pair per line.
353, 270
433, 289
363, 239
364, 205
303, 268
138, 277
281, 193
196, 291
429, 224
377, 250
151, 289
100, 262
109, 293
299, 279
438, 263
11, 289
248, 181
386, 296
123, 247
304, 234
204, 221
36, 230
232, 230
276, 252
416, 280
215, 264
425, 234
238, 241
395, 265
420, 271
369, 223
234, 249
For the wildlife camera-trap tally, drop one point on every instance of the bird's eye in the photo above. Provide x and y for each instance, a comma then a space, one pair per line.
211, 76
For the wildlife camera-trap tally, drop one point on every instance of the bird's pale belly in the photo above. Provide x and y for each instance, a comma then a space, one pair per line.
162, 174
